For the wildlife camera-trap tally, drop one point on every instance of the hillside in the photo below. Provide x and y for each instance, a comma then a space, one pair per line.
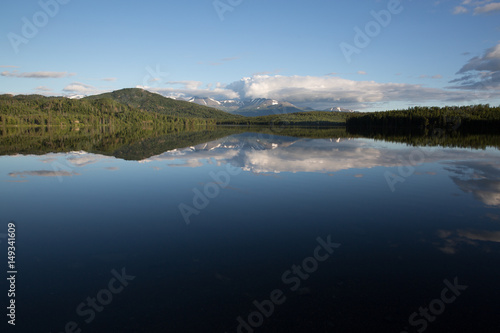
151, 102
36, 110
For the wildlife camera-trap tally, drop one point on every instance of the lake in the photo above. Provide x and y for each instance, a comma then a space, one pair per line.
254, 232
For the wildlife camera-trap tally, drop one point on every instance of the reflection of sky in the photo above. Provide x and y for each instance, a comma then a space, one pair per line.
481, 178
272, 154
472, 171
276, 154
453, 240
83, 214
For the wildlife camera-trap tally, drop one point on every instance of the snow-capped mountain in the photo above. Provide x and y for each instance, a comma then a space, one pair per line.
248, 107
205, 101
76, 96
257, 106
339, 109
261, 103
226, 105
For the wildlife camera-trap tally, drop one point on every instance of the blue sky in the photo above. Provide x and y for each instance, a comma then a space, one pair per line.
426, 53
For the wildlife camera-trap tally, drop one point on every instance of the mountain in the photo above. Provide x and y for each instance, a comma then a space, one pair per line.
75, 96
249, 107
230, 105
151, 102
338, 109
205, 101
265, 107
257, 107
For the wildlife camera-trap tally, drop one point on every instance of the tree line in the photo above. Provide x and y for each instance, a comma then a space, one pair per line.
36, 110
426, 120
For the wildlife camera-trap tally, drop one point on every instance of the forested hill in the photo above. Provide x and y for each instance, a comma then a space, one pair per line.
33, 110
151, 102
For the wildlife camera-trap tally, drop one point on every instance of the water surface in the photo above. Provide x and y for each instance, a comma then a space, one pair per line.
210, 232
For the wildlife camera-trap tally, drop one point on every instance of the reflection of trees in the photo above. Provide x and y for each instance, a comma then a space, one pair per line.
469, 126
123, 142
474, 118
130, 142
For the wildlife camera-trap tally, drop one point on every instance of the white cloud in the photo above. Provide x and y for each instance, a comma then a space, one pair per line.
491, 7
481, 73
459, 10
43, 89
81, 88
37, 75
490, 61
109, 79
185, 89
317, 92
327, 90
477, 7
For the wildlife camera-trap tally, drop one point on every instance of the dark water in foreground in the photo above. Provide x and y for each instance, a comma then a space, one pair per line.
259, 233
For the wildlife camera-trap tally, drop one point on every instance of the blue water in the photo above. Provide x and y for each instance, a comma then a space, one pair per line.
200, 252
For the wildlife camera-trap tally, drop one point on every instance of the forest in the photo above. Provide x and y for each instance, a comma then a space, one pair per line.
36, 110
428, 120
309, 118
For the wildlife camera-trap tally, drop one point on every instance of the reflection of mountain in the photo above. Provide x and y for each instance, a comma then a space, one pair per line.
131, 143
124, 143
264, 153
482, 179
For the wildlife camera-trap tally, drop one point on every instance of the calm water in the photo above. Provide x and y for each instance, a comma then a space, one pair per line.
256, 232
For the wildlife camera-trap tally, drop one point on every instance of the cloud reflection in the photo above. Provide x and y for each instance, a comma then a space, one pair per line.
275, 154
453, 240
43, 173
481, 178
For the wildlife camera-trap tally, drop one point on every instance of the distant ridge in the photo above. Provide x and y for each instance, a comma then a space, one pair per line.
151, 102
